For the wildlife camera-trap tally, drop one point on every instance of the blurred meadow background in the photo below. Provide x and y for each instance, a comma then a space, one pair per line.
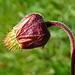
55, 57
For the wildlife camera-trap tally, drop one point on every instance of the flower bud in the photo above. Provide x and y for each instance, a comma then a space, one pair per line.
31, 32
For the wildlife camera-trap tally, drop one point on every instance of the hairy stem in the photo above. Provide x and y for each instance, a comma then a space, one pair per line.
63, 26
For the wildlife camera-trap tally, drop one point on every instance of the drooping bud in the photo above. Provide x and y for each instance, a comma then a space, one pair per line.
31, 32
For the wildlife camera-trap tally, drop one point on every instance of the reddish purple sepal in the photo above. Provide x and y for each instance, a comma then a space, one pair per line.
31, 31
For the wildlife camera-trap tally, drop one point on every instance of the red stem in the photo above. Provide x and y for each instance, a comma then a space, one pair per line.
63, 26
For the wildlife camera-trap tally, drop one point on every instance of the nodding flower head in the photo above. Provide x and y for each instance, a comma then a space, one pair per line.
29, 33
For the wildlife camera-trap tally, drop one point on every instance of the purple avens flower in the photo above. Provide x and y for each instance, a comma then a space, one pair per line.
32, 32
29, 33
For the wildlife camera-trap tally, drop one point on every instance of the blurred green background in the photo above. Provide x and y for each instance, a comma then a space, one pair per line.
54, 58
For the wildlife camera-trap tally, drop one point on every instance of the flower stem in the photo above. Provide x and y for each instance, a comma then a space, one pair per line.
63, 26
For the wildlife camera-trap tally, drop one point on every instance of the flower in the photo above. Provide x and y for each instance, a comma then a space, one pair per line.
29, 33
